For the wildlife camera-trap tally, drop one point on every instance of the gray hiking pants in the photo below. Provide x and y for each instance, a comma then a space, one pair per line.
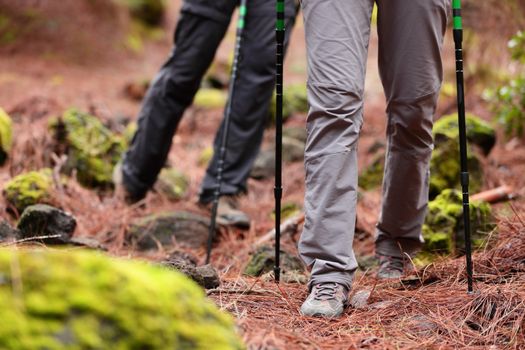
201, 27
410, 40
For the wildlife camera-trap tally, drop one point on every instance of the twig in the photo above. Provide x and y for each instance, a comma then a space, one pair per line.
28, 239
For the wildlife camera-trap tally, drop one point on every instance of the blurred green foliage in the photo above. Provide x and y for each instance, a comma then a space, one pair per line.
508, 100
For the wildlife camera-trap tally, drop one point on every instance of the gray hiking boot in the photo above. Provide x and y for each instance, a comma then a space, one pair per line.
228, 213
390, 267
327, 299
121, 191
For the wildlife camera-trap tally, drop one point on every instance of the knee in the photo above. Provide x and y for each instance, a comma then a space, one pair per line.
410, 124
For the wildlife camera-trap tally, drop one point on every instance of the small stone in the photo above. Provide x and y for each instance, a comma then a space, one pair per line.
264, 166
45, 220
206, 276
7, 232
360, 299
209, 277
295, 132
188, 229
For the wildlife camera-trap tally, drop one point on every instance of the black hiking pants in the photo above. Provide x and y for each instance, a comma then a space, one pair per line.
200, 29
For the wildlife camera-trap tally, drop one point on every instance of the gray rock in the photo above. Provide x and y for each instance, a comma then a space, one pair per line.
295, 132
45, 220
360, 299
206, 276
188, 229
264, 166
7, 232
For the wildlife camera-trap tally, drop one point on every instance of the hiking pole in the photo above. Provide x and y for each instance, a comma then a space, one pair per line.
278, 190
458, 41
224, 136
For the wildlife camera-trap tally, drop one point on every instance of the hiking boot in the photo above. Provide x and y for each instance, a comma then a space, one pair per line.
390, 267
121, 191
228, 213
328, 299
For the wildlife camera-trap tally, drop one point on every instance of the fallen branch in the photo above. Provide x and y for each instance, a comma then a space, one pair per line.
494, 195
290, 226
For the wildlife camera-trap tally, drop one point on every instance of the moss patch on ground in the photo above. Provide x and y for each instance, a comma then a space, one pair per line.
85, 300
29, 188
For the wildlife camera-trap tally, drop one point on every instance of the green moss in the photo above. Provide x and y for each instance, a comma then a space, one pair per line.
372, 176
129, 132
295, 100
93, 150
443, 228
85, 300
6, 136
288, 209
205, 156
29, 188
479, 132
263, 261
210, 98
445, 168
172, 183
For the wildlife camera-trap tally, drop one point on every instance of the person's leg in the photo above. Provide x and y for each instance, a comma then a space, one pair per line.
337, 35
196, 39
410, 39
251, 99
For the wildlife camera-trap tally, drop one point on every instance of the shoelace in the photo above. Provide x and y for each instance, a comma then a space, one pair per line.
325, 291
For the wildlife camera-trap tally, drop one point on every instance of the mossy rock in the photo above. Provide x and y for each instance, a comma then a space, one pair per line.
172, 183
210, 98
129, 132
295, 100
93, 150
6, 136
288, 209
185, 228
443, 229
29, 188
263, 261
86, 300
372, 176
44, 220
205, 156
295, 132
479, 132
149, 12
445, 168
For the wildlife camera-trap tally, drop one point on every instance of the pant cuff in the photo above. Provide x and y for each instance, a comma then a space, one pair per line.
398, 248
344, 279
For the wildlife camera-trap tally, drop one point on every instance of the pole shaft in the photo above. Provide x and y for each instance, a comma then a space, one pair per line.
279, 35
225, 131
458, 41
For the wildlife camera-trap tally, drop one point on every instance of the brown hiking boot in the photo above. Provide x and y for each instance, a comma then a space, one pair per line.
228, 213
328, 299
390, 267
